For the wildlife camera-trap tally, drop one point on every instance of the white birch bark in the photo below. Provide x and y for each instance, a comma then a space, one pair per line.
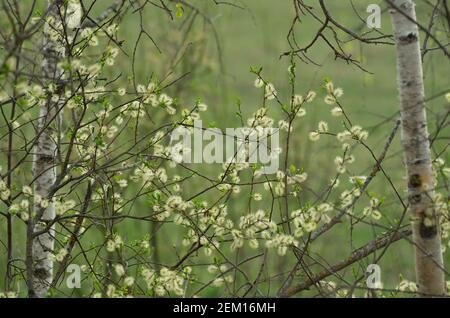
44, 166
421, 181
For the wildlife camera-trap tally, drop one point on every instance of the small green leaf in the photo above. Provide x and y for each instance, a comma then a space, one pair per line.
292, 168
180, 10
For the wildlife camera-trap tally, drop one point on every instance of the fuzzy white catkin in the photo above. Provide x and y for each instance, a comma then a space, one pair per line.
74, 13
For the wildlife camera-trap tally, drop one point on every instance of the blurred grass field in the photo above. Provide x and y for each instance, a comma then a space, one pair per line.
256, 36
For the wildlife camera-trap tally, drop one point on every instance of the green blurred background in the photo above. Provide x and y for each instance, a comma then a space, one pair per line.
218, 52
256, 36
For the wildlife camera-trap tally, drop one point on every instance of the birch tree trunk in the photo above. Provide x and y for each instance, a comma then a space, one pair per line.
44, 163
421, 181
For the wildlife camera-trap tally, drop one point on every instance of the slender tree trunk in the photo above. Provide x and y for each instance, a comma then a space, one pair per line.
421, 182
44, 166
